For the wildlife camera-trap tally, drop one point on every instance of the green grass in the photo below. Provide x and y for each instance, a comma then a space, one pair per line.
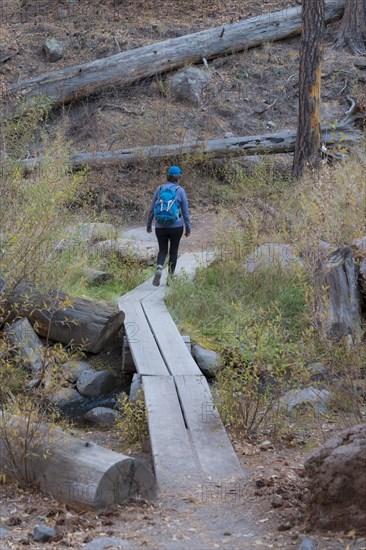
127, 275
222, 298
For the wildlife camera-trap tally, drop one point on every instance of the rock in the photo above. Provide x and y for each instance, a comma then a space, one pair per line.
189, 84
264, 445
318, 372
136, 385
72, 370
95, 277
297, 400
43, 533
139, 234
307, 544
102, 543
124, 249
276, 501
273, 254
93, 384
187, 341
3, 532
336, 471
26, 346
87, 233
72, 404
102, 416
207, 360
54, 49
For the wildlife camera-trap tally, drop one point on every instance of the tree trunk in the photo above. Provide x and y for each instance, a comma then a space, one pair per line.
280, 142
79, 473
126, 67
352, 31
338, 309
76, 322
308, 129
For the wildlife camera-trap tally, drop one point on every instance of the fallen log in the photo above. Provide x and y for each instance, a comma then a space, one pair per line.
130, 66
79, 473
279, 142
78, 322
338, 304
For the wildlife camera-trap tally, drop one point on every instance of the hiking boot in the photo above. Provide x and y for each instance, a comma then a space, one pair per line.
157, 276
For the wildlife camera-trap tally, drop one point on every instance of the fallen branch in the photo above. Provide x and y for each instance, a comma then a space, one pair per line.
126, 67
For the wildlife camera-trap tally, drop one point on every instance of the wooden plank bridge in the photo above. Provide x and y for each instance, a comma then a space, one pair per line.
189, 443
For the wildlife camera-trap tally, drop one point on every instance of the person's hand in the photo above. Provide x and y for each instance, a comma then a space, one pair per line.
149, 230
187, 233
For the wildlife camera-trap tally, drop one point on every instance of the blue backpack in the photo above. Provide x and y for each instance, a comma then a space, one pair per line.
166, 209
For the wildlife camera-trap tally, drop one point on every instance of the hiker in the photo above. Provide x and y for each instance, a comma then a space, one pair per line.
169, 206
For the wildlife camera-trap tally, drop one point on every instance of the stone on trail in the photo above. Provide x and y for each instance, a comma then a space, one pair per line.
103, 416
93, 384
54, 49
139, 234
273, 255
125, 249
189, 84
72, 370
136, 385
337, 474
297, 400
207, 360
43, 533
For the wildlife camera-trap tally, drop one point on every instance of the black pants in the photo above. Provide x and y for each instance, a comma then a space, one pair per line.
168, 237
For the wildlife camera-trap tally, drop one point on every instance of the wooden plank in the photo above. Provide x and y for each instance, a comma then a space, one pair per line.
175, 465
212, 444
174, 351
145, 352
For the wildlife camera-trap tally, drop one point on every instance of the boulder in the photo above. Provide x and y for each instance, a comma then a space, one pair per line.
43, 533
124, 249
93, 384
102, 543
72, 370
26, 347
54, 49
103, 416
273, 255
87, 234
95, 277
298, 400
207, 360
136, 385
189, 84
139, 234
336, 472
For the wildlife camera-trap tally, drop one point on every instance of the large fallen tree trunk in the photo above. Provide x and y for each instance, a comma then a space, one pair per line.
79, 473
280, 142
77, 322
126, 67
